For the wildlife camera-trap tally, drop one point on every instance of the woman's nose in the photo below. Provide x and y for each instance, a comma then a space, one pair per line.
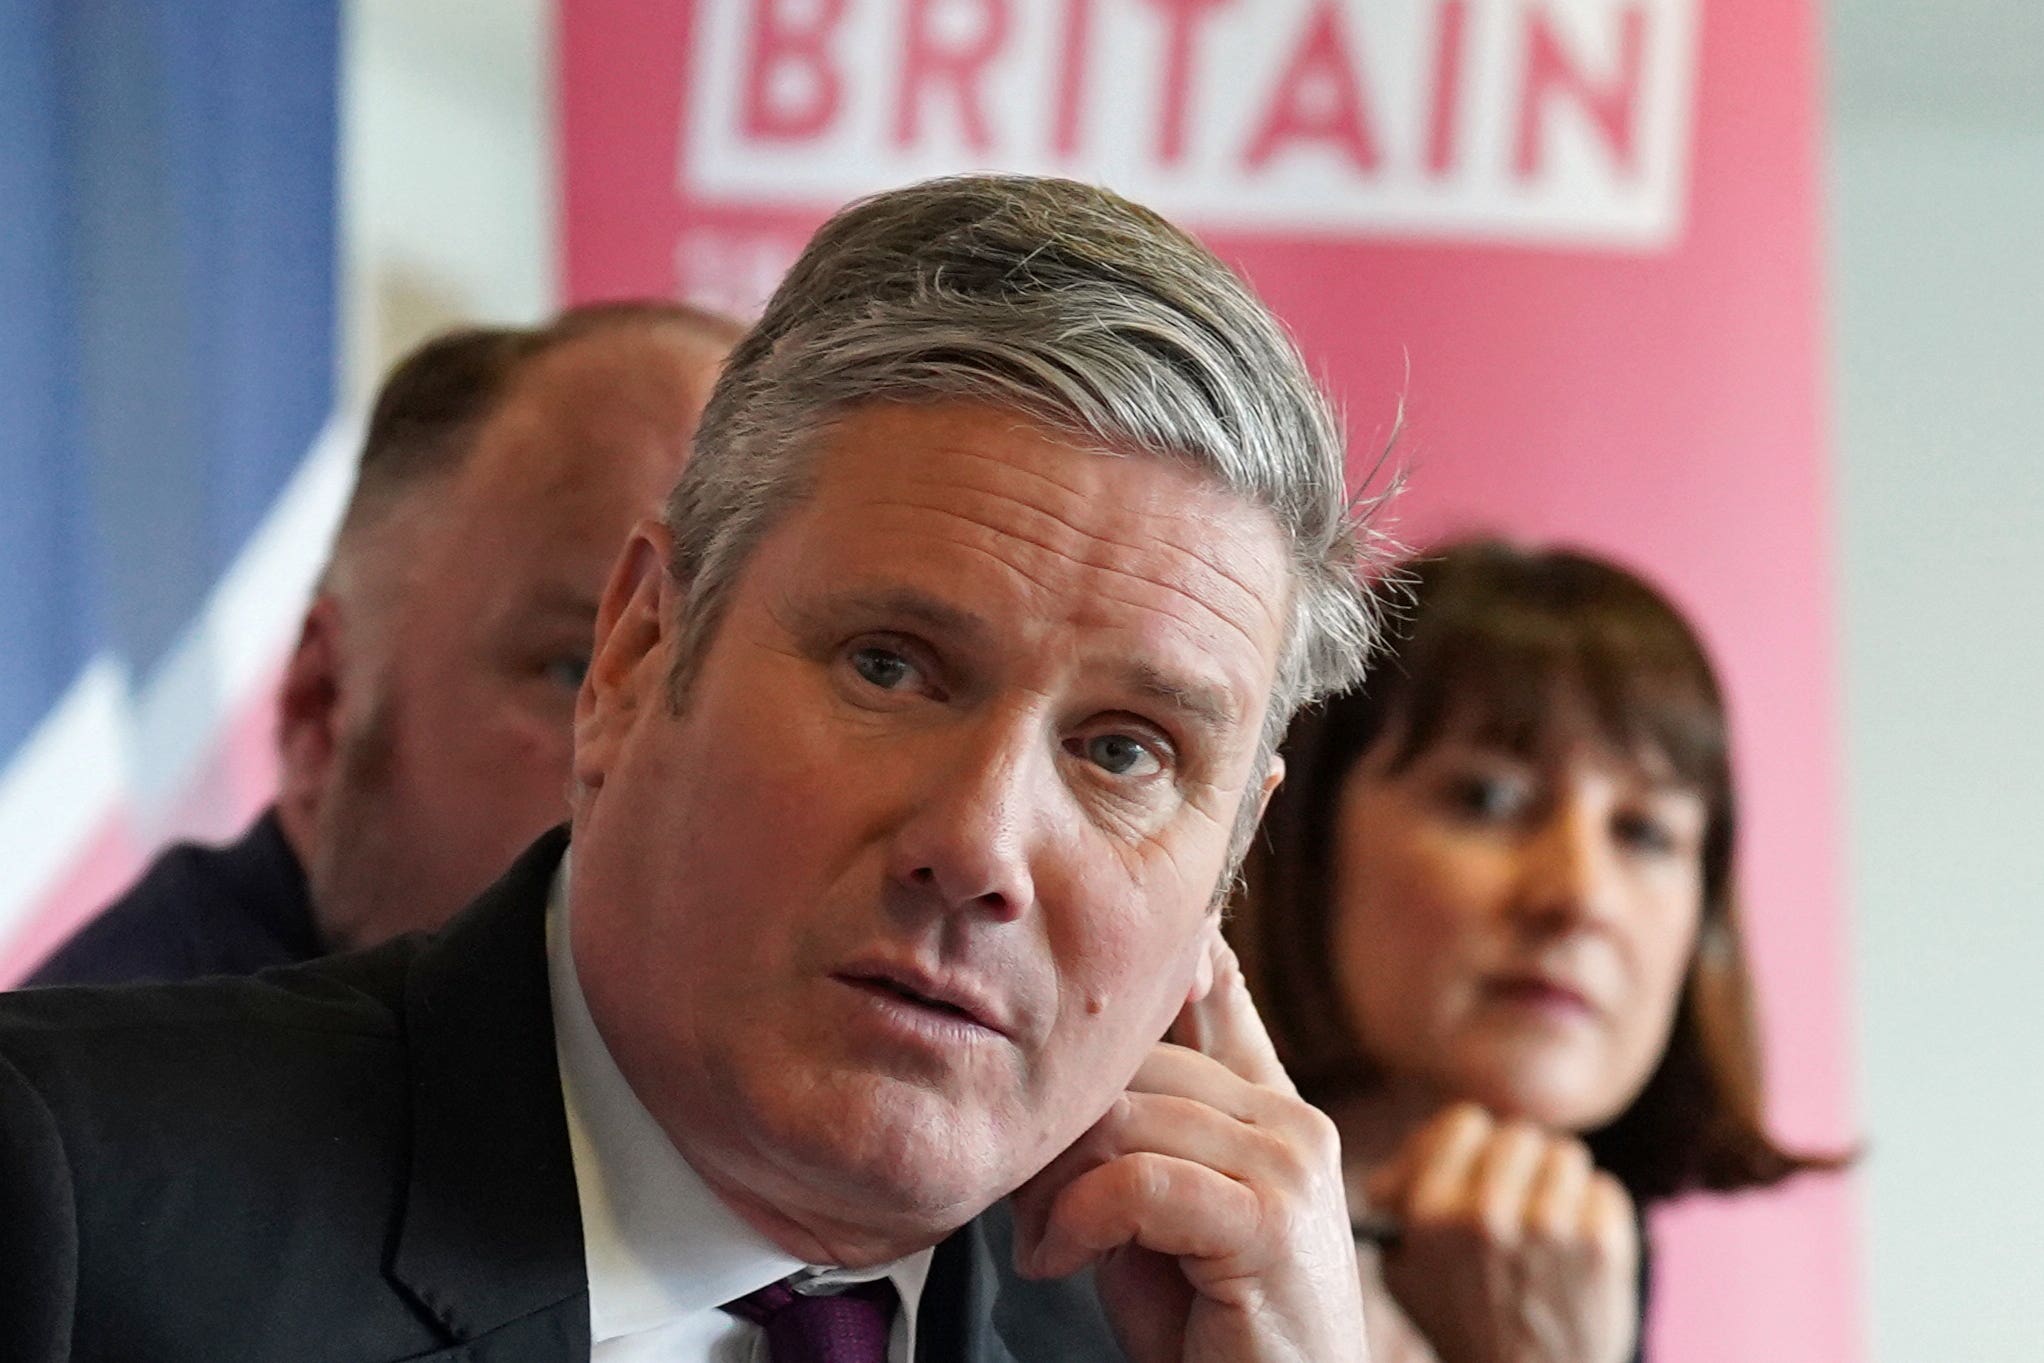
1568, 876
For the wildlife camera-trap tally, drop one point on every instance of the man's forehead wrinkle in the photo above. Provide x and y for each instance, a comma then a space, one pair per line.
1190, 546
1003, 465
1185, 551
1184, 546
1206, 608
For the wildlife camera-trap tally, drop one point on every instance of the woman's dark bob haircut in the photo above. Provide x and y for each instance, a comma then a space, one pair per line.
1500, 641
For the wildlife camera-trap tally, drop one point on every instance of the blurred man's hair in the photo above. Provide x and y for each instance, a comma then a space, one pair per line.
436, 400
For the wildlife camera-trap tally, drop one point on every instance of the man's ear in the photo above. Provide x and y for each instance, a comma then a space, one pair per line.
1203, 965
1272, 779
308, 722
631, 624
1212, 942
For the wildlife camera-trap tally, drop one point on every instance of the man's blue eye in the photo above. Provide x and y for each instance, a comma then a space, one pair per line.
1117, 754
881, 667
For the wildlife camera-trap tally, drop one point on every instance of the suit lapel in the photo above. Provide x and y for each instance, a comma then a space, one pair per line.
976, 1310
955, 1320
491, 1230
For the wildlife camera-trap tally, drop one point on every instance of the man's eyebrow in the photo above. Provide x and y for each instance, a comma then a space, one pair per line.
1210, 706
896, 605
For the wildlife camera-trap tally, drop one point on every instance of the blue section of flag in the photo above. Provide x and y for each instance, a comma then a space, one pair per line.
167, 312
45, 593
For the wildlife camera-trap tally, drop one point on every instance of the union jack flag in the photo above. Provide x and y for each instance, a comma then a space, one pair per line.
169, 463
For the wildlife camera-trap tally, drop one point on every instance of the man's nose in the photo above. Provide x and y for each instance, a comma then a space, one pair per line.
966, 842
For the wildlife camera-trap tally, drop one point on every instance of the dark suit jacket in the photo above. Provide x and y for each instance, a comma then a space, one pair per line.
198, 911
362, 1158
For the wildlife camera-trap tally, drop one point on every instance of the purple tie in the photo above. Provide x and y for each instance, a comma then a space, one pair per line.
849, 1327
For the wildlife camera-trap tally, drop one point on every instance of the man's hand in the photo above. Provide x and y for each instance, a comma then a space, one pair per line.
1514, 1248
1209, 1199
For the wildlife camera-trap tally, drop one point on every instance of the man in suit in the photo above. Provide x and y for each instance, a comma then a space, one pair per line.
424, 715
919, 744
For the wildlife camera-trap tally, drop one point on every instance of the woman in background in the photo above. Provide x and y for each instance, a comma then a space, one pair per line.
1491, 923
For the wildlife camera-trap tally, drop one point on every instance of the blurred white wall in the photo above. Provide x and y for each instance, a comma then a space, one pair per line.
447, 172
1937, 271
1937, 281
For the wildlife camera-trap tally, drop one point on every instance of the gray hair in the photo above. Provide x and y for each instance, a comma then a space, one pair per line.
1070, 306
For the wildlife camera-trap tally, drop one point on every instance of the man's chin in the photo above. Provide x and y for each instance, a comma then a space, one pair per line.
892, 1159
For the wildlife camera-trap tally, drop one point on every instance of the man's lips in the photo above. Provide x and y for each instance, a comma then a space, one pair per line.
945, 993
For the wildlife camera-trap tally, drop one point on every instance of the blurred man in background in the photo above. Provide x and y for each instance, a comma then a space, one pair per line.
424, 714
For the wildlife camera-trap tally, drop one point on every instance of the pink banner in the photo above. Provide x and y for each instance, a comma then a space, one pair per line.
1578, 238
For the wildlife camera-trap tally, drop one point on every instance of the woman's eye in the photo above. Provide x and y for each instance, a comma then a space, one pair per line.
1643, 833
881, 667
566, 671
1120, 755
1487, 797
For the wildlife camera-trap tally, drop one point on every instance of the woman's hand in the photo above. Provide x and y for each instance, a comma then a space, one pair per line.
1514, 1248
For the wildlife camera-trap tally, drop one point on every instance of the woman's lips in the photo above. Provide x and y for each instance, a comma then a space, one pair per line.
1543, 994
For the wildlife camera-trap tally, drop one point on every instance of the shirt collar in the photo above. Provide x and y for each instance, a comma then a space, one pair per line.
657, 1243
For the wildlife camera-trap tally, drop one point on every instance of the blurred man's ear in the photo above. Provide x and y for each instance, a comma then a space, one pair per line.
631, 621
308, 722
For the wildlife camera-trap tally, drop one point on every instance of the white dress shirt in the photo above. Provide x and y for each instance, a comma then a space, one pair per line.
662, 1252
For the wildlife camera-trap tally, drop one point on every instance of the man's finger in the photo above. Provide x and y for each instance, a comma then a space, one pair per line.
1225, 1025
1168, 1205
1183, 1128
1183, 1104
